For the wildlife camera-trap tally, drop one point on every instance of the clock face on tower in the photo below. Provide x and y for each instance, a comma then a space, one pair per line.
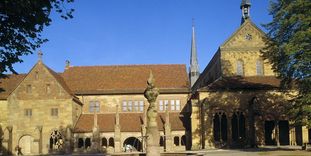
248, 37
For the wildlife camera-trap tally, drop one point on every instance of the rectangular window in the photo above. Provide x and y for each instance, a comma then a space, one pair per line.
28, 112
28, 88
136, 106
48, 88
166, 104
124, 106
129, 106
172, 105
161, 105
94, 106
141, 106
177, 105
259, 67
54, 112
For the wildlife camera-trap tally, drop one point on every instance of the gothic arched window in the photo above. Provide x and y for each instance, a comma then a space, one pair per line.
259, 67
240, 68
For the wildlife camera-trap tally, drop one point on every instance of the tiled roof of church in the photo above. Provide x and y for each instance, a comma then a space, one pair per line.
129, 122
9, 83
125, 78
237, 82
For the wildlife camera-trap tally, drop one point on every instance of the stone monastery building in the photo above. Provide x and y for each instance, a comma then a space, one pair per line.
235, 102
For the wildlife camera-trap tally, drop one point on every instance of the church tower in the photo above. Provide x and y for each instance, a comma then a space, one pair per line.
194, 67
245, 7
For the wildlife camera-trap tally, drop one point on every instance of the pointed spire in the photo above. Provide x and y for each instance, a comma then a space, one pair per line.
245, 7
194, 67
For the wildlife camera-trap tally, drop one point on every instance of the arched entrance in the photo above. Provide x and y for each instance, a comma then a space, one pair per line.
26, 144
56, 141
132, 144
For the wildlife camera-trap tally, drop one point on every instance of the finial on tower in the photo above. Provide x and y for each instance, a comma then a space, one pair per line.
67, 64
40, 54
245, 7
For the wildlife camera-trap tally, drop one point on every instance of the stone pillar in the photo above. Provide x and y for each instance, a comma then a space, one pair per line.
117, 132
229, 129
40, 138
292, 134
10, 142
251, 125
168, 135
151, 93
195, 125
277, 136
305, 135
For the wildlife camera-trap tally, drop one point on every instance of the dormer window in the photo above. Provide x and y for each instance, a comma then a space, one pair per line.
240, 68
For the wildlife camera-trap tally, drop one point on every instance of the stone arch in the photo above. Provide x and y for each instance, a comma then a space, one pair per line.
56, 140
104, 142
111, 142
161, 141
220, 127
176, 140
132, 144
25, 142
80, 143
87, 143
238, 126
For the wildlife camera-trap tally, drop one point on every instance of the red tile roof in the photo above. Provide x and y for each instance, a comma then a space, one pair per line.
125, 78
129, 122
111, 79
9, 83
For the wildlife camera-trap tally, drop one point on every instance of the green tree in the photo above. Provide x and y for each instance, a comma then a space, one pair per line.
288, 48
21, 25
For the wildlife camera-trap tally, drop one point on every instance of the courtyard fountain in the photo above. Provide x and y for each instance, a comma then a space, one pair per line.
151, 93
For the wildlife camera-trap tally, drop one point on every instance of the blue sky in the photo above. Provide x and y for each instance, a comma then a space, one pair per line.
118, 32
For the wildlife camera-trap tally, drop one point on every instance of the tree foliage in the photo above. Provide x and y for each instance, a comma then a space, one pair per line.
288, 48
21, 25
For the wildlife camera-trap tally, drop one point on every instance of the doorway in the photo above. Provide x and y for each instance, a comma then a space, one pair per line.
26, 143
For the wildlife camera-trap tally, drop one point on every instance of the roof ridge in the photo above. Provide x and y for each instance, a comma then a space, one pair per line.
130, 65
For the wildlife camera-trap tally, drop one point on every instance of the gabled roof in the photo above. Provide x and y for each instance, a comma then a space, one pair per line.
129, 122
246, 83
125, 78
248, 21
9, 83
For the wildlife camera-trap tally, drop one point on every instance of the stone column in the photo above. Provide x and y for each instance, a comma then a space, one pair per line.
229, 130
277, 136
40, 138
305, 134
168, 135
117, 132
10, 142
195, 124
151, 93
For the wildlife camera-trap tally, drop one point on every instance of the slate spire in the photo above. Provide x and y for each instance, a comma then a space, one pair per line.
194, 67
245, 7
